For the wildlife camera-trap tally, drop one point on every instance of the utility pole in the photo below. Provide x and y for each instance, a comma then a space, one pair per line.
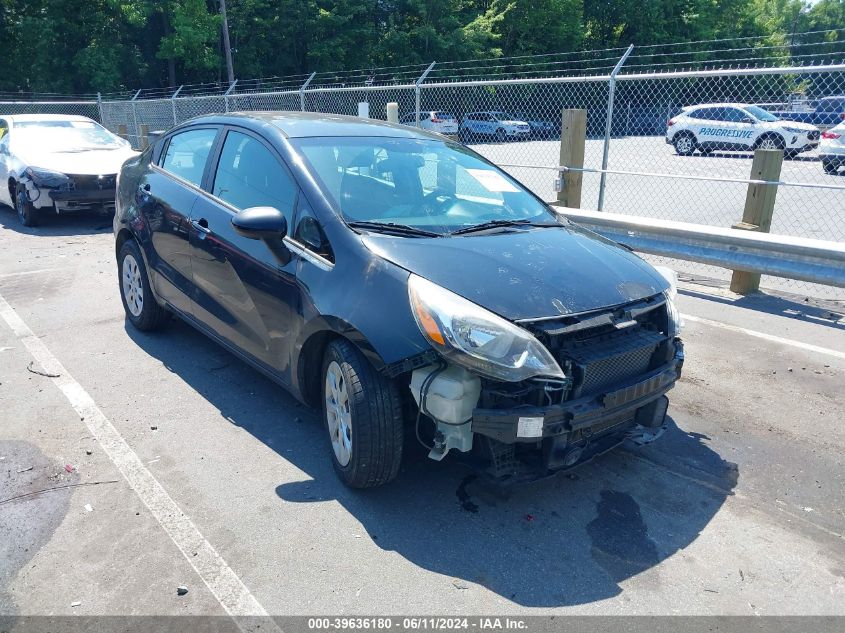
227, 47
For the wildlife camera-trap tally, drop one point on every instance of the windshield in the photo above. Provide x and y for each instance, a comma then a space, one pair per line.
428, 184
66, 136
760, 114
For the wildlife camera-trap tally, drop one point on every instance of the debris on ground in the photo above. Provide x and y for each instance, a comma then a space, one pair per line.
88, 507
181, 590
88, 451
23, 470
40, 373
75, 603
153, 428
458, 584
69, 468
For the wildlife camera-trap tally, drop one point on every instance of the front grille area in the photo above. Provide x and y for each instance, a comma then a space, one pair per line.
607, 360
92, 183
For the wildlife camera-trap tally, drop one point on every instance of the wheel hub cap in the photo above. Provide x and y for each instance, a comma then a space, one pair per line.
338, 415
133, 289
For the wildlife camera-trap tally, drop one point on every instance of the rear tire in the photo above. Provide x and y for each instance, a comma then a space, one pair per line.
500, 135
362, 411
685, 144
829, 167
138, 300
27, 213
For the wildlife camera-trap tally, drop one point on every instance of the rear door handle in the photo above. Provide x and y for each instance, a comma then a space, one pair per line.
201, 226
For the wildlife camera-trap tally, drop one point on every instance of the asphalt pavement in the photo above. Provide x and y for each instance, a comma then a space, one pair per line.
145, 462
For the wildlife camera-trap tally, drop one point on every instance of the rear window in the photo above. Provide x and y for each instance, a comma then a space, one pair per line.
448, 116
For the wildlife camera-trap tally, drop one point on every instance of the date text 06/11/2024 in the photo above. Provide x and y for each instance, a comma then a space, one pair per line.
385, 623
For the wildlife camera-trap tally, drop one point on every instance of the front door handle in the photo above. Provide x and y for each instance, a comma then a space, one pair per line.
201, 226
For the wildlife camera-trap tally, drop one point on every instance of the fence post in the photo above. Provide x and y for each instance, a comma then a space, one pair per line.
173, 103
121, 131
134, 113
573, 132
393, 112
759, 207
226, 95
100, 108
417, 85
611, 88
302, 90
145, 136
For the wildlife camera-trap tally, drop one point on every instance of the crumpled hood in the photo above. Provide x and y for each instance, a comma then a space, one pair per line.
527, 274
94, 162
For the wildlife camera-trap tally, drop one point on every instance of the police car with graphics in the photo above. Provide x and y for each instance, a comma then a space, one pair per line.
712, 127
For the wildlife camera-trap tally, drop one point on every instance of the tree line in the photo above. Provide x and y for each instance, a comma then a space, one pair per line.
84, 46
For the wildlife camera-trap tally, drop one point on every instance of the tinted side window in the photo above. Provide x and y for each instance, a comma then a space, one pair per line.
701, 113
735, 115
248, 175
187, 154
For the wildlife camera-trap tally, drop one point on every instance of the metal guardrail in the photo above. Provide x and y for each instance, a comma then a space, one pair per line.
815, 261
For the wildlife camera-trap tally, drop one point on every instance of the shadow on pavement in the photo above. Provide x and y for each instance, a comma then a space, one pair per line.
55, 225
792, 308
564, 541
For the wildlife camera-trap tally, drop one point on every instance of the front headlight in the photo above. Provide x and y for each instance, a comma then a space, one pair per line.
672, 313
46, 177
471, 336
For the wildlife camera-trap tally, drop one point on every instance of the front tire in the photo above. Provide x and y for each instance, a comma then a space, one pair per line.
772, 141
363, 416
27, 214
684, 144
138, 301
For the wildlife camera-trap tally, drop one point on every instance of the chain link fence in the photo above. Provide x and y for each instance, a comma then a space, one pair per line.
627, 120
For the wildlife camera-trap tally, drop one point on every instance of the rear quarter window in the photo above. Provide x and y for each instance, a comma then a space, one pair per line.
187, 153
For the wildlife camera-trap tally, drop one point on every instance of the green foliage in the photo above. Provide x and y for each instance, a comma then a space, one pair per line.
108, 45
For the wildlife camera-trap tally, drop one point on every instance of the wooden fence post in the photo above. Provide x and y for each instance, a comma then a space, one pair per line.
759, 207
122, 131
573, 132
145, 136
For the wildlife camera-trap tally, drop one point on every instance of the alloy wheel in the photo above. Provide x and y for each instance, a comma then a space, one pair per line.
338, 414
133, 288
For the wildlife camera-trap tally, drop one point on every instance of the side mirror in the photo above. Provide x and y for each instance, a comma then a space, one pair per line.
748, 120
260, 223
267, 224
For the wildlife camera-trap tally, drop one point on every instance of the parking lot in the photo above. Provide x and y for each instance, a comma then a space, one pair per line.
187, 468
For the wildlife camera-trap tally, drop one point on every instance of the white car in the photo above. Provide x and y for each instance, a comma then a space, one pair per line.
433, 120
737, 127
832, 148
58, 163
499, 125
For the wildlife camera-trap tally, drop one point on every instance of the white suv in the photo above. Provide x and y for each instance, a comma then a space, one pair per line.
737, 127
433, 120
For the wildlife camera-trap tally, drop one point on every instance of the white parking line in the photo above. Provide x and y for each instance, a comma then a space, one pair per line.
226, 586
30, 272
766, 337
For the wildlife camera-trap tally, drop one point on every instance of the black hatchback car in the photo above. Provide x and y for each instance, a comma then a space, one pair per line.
402, 284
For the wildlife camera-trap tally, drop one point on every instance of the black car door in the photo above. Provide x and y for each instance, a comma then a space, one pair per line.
243, 294
165, 195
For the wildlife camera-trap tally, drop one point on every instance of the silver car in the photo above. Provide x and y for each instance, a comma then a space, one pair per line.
832, 149
58, 163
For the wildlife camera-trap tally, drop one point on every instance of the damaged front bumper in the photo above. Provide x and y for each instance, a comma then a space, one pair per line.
575, 431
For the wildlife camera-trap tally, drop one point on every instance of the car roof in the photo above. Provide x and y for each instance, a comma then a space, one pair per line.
315, 124
715, 105
44, 117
